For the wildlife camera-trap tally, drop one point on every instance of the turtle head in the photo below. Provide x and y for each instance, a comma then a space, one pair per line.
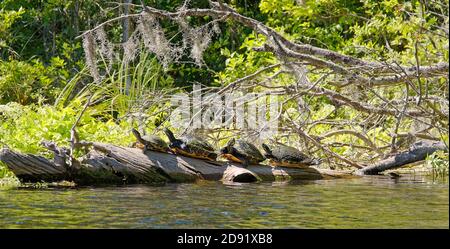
170, 135
136, 133
229, 147
138, 136
267, 150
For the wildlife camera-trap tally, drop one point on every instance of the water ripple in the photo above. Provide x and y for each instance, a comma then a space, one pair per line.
368, 202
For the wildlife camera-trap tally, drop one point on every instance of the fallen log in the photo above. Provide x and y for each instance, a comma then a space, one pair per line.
418, 152
110, 164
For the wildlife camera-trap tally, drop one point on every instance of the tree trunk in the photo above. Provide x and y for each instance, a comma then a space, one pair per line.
418, 152
125, 37
76, 20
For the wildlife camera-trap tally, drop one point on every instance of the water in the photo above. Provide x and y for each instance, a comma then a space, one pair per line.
369, 202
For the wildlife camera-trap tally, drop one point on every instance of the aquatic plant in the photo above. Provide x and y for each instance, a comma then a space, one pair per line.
438, 163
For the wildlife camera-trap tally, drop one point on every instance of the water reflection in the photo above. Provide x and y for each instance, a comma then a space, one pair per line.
368, 202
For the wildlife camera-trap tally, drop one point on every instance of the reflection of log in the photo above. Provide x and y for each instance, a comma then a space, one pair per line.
417, 152
114, 164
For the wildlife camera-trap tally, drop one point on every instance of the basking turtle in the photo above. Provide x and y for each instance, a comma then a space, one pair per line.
191, 146
283, 155
150, 142
241, 151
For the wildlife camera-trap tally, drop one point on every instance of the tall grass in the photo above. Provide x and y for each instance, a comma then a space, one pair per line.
438, 164
112, 96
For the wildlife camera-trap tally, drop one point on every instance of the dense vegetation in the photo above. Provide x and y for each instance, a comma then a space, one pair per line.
45, 79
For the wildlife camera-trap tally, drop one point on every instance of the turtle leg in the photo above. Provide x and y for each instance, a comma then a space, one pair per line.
148, 147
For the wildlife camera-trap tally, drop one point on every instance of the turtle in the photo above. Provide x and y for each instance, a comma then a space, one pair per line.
191, 146
150, 142
287, 156
241, 151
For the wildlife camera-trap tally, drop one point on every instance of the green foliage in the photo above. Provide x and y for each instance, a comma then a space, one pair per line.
31, 82
322, 23
384, 29
45, 26
33, 34
245, 60
42, 63
438, 163
22, 128
7, 18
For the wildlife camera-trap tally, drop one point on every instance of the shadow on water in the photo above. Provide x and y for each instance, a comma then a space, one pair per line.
367, 202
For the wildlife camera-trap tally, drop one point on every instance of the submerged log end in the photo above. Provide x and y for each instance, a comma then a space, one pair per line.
239, 174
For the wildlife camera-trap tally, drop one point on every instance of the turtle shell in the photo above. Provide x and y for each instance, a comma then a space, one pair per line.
197, 142
191, 146
155, 143
150, 142
283, 155
195, 147
244, 149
